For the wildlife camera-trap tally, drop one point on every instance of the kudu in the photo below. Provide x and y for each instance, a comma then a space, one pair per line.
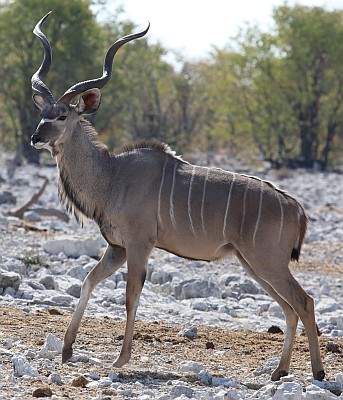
146, 197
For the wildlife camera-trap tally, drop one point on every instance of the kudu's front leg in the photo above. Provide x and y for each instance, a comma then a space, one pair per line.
137, 258
113, 258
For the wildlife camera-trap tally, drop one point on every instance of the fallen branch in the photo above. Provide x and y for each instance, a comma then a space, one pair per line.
46, 212
19, 213
51, 212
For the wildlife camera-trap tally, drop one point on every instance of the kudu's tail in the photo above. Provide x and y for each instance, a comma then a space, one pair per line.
302, 231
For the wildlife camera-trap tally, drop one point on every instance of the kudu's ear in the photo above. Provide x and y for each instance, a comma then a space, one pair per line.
89, 101
39, 100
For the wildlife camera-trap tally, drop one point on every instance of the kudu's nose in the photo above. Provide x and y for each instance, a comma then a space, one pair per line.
35, 138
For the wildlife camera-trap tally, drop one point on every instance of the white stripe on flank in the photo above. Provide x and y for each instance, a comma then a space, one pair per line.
171, 204
160, 192
189, 201
203, 200
228, 203
244, 205
259, 213
281, 222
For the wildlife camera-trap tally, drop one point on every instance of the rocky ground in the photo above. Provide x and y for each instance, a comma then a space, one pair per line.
202, 329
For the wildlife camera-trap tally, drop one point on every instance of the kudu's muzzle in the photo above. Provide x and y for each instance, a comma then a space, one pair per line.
41, 134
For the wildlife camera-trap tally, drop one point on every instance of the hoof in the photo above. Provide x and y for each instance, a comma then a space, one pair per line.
277, 375
320, 375
119, 362
66, 354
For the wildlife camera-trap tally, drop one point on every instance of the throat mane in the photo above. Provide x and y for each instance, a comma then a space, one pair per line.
76, 201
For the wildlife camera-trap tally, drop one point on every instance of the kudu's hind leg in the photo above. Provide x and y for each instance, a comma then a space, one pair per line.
291, 322
137, 258
113, 258
287, 287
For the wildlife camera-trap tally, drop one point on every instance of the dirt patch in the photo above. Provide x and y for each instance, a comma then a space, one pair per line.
157, 349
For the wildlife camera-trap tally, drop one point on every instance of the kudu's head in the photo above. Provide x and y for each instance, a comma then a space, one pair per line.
59, 117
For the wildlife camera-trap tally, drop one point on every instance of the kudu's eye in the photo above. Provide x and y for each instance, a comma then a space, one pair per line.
61, 118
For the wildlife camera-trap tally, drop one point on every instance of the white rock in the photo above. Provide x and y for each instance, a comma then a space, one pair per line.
226, 382
22, 366
74, 246
266, 392
45, 353
288, 391
195, 288
190, 366
77, 272
190, 332
314, 392
275, 310
55, 378
267, 368
113, 376
231, 394
9, 279
205, 377
53, 343
179, 390
327, 305
48, 282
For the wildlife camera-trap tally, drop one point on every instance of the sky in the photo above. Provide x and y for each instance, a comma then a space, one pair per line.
193, 26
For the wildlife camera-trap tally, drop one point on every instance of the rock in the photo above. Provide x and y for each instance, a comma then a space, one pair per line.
7, 198
160, 276
275, 329
48, 282
288, 391
45, 353
74, 246
79, 381
62, 300
9, 279
35, 285
333, 347
267, 368
194, 288
32, 216
179, 390
205, 378
314, 392
42, 392
190, 332
334, 387
77, 272
56, 379
22, 367
190, 366
275, 310
53, 343
327, 305
74, 290
266, 392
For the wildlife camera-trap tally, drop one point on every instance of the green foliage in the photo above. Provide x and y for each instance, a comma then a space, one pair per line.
277, 94
30, 259
289, 85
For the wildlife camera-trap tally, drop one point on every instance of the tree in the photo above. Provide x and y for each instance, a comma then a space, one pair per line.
286, 85
310, 39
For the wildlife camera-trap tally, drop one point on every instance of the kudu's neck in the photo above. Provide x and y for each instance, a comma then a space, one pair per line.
84, 172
